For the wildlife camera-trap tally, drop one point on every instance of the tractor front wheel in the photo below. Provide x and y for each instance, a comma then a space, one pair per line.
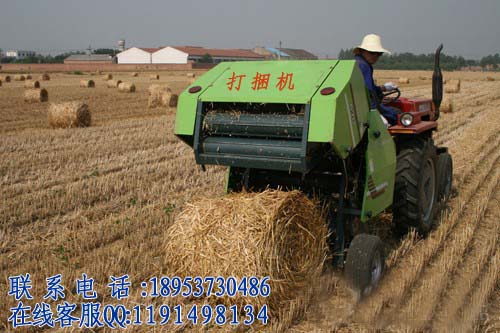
365, 263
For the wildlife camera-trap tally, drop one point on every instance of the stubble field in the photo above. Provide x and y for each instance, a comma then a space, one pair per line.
97, 200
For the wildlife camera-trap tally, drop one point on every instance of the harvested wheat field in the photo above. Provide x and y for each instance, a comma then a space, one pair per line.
103, 200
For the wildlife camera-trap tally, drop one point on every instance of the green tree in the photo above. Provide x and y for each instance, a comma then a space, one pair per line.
105, 51
206, 59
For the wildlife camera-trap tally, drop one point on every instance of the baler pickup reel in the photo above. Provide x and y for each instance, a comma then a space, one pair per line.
266, 136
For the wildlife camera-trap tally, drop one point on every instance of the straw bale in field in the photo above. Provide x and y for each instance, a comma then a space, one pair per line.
19, 78
273, 233
404, 80
452, 86
189, 75
154, 88
45, 77
6, 78
113, 83
107, 77
169, 99
36, 95
490, 78
29, 77
31, 84
126, 87
447, 105
154, 77
161, 96
69, 114
135, 74
87, 84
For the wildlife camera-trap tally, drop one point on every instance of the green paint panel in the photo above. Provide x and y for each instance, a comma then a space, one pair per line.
338, 118
380, 168
186, 106
269, 81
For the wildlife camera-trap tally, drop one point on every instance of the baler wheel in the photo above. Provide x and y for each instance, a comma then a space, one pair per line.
416, 186
365, 263
445, 176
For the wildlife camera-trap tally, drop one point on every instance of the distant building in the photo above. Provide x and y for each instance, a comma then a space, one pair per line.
89, 58
299, 54
183, 55
270, 53
196, 53
136, 55
18, 54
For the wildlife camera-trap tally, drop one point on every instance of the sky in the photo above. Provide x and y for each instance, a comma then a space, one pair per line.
323, 27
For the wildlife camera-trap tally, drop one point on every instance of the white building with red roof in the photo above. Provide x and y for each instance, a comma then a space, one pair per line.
183, 55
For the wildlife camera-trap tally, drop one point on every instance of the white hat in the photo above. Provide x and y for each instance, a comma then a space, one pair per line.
371, 43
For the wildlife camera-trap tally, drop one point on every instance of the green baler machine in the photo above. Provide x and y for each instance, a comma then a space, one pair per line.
279, 120
303, 125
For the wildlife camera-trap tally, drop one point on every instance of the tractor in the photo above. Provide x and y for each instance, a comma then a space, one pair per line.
307, 125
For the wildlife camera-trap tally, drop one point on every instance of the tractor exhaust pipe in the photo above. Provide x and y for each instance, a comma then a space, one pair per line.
437, 83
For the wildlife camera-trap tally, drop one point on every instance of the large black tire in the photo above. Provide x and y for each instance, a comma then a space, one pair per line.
415, 189
365, 263
445, 176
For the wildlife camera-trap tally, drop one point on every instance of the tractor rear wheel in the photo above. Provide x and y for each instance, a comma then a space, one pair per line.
445, 176
415, 189
365, 263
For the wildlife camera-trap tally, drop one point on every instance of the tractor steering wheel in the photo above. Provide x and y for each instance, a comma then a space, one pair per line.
388, 100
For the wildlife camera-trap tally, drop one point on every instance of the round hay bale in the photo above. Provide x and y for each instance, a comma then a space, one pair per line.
159, 96
87, 84
31, 84
135, 74
168, 99
155, 88
189, 75
452, 86
36, 95
19, 78
126, 87
490, 78
447, 105
68, 115
113, 83
404, 80
45, 77
29, 77
6, 78
107, 77
281, 235
154, 77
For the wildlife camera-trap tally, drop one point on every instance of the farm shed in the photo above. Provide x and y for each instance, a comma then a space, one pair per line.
89, 58
196, 53
136, 55
169, 55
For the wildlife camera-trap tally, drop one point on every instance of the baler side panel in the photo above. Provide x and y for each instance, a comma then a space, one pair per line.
338, 118
380, 168
187, 104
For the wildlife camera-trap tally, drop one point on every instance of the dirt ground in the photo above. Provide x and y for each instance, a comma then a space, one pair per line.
97, 200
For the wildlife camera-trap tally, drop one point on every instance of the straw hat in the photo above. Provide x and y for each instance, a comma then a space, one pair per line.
371, 43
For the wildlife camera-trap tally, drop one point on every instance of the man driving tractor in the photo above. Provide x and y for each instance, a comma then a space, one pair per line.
366, 55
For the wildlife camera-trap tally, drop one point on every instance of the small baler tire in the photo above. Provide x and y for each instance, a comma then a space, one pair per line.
365, 263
